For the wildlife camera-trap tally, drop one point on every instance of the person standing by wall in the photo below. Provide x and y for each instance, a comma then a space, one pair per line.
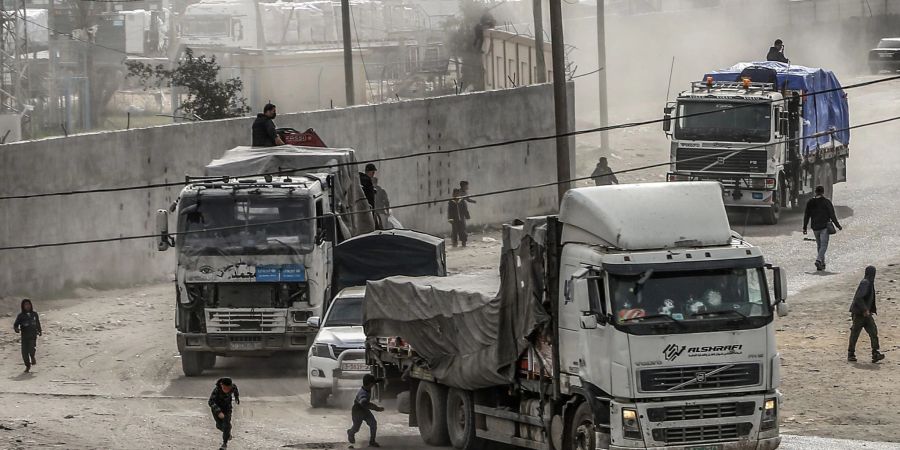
457, 215
263, 130
602, 174
820, 216
28, 323
862, 311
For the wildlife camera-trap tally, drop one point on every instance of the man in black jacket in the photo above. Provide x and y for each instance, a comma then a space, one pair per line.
368, 187
457, 215
362, 411
220, 404
29, 324
264, 128
820, 211
862, 309
776, 53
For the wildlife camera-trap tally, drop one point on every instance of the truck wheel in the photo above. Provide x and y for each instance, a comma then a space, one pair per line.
581, 433
461, 420
208, 360
318, 398
771, 215
191, 364
403, 402
431, 412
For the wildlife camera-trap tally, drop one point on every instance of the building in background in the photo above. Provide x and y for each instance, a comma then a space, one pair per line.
509, 59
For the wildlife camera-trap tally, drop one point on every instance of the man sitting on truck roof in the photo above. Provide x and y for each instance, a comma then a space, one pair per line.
264, 128
776, 53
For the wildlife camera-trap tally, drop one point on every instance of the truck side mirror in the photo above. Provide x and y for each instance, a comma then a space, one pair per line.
667, 119
162, 229
779, 282
327, 232
313, 322
784, 124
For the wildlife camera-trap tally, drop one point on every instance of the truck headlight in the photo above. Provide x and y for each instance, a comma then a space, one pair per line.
770, 414
630, 425
322, 351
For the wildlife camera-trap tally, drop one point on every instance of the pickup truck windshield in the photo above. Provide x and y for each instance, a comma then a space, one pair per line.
345, 312
246, 214
730, 124
690, 301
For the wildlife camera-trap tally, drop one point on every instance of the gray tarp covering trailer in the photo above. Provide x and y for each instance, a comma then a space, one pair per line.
470, 330
299, 161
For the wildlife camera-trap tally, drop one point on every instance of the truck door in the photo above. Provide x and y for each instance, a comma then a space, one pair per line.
583, 324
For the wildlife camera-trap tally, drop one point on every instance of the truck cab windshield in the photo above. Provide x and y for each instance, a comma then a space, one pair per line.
255, 225
693, 300
723, 121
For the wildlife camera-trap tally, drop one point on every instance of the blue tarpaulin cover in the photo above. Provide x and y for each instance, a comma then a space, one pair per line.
821, 112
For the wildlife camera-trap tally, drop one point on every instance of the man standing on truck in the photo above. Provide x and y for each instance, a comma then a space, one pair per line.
362, 411
776, 53
220, 404
820, 211
264, 128
862, 309
29, 324
602, 174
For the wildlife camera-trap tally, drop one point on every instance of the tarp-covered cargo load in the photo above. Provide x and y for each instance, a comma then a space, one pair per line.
468, 328
339, 162
821, 112
386, 253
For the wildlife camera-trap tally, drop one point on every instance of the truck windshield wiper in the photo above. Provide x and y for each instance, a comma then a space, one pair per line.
655, 316
724, 311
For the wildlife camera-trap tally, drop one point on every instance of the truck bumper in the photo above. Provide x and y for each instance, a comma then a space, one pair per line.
762, 444
244, 343
747, 198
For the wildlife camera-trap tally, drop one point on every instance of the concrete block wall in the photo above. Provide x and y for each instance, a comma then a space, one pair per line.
167, 153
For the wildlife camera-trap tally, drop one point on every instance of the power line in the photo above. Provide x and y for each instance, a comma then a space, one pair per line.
441, 152
428, 202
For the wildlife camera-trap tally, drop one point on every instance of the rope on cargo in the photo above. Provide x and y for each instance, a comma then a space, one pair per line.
427, 202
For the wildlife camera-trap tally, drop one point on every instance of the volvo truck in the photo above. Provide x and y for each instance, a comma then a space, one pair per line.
254, 247
769, 132
635, 318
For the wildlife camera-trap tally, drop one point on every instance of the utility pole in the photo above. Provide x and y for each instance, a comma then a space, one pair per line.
348, 52
52, 85
541, 65
601, 75
560, 99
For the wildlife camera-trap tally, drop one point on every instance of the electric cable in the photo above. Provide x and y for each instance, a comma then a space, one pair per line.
429, 202
441, 152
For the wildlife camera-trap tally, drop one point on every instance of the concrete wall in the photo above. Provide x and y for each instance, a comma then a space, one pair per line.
166, 153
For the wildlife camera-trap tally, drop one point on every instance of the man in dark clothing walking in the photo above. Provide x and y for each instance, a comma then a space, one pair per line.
862, 309
457, 215
776, 53
220, 404
362, 412
264, 128
820, 211
602, 174
368, 187
29, 324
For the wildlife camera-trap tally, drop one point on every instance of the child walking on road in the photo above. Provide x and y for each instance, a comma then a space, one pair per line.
220, 404
29, 324
362, 412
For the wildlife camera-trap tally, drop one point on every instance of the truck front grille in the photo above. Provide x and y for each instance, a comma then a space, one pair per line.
245, 320
696, 412
698, 377
747, 161
705, 433
339, 349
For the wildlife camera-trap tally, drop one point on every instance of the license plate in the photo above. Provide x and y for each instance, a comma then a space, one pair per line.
246, 345
885, 55
354, 367
704, 447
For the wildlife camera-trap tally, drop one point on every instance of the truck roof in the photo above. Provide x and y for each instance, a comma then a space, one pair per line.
228, 185
647, 216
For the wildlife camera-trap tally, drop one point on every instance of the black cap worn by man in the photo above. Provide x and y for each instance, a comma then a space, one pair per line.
264, 128
776, 52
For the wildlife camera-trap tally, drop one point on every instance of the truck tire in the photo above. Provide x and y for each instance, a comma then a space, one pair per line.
431, 413
191, 364
318, 398
208, 360
581, 433
771, 215
461, 420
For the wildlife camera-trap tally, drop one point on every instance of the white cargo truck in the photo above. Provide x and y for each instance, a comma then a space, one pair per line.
634, 319
254, 251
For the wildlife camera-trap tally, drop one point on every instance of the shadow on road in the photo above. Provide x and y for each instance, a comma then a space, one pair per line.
24, 376
257, 377
749, 224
